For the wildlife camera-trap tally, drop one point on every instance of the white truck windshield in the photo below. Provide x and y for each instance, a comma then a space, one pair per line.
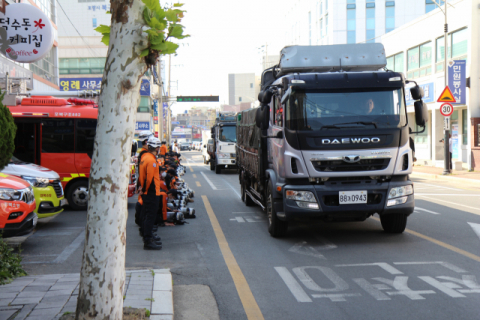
228, 134
314, 110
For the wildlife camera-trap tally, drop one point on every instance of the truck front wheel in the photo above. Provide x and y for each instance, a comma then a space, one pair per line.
218, 169
77, 195
394, 223
276, 227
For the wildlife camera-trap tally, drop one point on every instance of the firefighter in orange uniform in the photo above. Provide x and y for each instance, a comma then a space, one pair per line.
163, 148
150, 183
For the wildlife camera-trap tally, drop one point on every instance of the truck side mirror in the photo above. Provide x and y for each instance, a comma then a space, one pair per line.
204, 145
421, 113
417, 92
265, 97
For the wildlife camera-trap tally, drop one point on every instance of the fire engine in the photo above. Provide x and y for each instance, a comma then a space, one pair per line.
58, 134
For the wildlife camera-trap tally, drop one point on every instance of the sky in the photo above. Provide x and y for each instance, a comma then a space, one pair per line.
225, 37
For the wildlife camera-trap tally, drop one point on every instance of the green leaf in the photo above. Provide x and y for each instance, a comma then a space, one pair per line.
146, 15
171, 15
144, 53
102, 29
152, 4
106, 38
156, 38
177, 5
155, 24
176, 31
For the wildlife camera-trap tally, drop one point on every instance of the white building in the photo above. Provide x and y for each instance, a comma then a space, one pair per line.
417, 50
242, 87
320, 22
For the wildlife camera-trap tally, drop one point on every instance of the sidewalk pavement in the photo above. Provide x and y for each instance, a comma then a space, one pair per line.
48, 297
458, 176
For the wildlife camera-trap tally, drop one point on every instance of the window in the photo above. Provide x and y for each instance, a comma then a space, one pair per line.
278, 112
310, 28
46, 67
82, 65
421, 138
85, 135
240, 99
456, 48
430, 5
57, 136
326, 6
389, 16
464, 126
370, 26
48, 7
251, 85
395, 62
419, 61
94, 22
326, 25
321, 28
321, 8
351, 25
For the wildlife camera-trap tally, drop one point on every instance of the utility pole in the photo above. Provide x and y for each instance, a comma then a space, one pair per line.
160, 106
168, 120
446, 141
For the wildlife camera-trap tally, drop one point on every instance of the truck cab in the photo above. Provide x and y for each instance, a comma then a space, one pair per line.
224, 137
333, 140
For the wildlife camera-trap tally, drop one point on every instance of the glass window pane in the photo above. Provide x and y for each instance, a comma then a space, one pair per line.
350, 1
459, 43
464, 126
351, 24
425, 54
85, 134
370, 36
370, 13
84, 63
429, 7
390, 11
351, 14
413, 61
391, 63
440, 49
399, 65
370, 24
351, 37
57, 136
390, 23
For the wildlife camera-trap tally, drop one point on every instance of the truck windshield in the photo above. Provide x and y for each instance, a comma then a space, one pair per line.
317, 110
228, 134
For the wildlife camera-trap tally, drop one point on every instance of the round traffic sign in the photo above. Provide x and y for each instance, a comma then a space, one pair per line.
446, 109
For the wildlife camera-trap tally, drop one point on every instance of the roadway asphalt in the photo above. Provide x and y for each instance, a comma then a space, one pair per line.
319, 271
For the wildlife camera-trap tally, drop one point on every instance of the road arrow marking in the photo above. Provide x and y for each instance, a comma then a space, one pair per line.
475, 227
303, 248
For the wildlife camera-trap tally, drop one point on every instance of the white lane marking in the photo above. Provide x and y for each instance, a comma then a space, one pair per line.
337, 297
433, 185
429, 211
447, 194
442, 263
238, 194
303, 248
238, 219
210, 182
293, 285
475, 227
62, 257
385, 266
457, 204
243, 212
440, 286
372, 289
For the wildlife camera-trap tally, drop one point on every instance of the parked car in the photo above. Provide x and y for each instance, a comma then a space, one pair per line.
17, 204
184, 146
47, 188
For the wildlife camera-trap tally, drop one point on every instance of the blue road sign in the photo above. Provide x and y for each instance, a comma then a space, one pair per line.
457, 80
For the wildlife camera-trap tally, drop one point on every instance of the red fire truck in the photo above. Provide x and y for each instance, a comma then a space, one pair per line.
58, 134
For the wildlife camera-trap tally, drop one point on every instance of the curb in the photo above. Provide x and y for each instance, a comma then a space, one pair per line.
162, 295
447, 178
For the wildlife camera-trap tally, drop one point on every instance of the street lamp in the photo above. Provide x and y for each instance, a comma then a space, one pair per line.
446, 139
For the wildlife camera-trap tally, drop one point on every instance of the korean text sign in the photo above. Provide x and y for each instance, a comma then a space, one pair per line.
76, 84
26, 34
457, 80
142, 125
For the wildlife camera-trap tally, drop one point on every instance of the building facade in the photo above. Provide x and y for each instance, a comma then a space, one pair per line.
242, 87
417, 50
82, 57
323, 22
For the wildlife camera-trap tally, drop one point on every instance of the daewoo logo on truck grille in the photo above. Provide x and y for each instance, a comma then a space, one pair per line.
350, 140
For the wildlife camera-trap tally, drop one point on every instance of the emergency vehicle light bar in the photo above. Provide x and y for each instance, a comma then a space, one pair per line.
30, 114
81, 101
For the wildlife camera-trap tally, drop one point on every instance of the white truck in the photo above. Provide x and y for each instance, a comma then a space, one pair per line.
206, 135
224, 134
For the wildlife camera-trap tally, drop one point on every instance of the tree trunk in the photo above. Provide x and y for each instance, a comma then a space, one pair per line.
103, 267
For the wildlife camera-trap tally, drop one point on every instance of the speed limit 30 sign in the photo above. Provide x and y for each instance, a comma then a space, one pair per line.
446, 109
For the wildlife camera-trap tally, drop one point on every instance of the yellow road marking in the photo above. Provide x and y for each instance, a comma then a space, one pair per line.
198, 184
191, 170
246, 296
457, 204
194, 175
441, 244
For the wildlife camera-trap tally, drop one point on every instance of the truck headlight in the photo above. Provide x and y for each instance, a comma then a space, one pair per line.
223, 155
36, 181
303, 199
398, 192
10, 194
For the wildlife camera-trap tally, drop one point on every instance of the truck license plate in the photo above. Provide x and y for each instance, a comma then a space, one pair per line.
352, 197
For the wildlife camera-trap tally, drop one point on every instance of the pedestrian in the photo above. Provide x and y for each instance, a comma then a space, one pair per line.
150, 183
143, 138
163, 148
